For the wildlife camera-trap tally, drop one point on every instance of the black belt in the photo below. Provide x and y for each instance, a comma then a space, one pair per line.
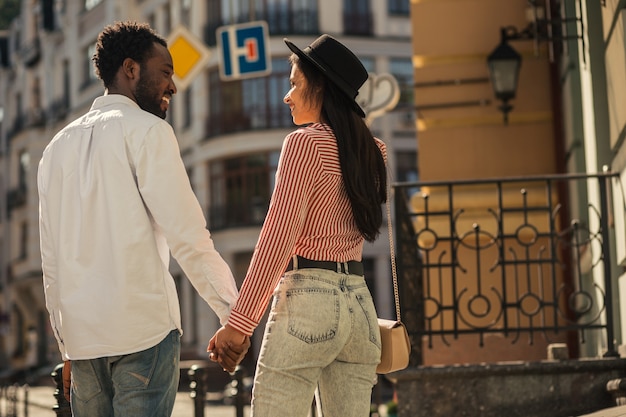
350, 267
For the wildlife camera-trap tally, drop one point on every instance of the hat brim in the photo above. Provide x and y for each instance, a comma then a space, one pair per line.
324, 71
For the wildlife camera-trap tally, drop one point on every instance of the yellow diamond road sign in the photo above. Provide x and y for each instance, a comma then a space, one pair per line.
189, 55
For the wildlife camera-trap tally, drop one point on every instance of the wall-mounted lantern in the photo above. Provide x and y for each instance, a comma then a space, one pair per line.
546, 25
504, 65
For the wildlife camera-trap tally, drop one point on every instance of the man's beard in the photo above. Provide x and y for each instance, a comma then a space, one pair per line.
147, 99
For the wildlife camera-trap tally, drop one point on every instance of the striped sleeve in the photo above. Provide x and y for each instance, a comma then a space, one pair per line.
298, 167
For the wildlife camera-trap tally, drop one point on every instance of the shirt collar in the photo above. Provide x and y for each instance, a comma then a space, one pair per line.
108, 99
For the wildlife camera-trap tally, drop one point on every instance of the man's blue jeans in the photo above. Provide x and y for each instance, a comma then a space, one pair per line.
141, 384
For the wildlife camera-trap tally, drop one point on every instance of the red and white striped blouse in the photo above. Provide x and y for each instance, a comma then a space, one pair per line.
309, 215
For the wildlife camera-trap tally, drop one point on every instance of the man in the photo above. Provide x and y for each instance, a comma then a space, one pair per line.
115, 199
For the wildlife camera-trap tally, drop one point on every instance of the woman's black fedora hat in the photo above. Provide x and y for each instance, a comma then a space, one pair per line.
337, 63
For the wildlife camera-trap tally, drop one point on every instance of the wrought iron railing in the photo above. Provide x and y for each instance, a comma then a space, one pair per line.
520, 256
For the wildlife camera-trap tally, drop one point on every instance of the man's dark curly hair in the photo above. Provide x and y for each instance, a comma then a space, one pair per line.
119, 41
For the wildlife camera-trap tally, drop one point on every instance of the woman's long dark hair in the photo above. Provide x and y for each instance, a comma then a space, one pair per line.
362, 164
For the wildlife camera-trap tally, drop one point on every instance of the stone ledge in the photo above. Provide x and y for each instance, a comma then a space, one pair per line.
548, 388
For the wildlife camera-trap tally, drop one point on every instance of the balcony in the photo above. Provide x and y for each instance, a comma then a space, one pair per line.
490, 269
59, 108
253, 118
31, 53
221, 124
281, 20
35, 117
237, 215
17, 126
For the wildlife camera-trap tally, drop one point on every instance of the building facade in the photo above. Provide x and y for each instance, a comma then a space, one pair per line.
230, 134
566, 118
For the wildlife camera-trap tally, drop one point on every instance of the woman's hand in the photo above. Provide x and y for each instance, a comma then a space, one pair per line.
228, 347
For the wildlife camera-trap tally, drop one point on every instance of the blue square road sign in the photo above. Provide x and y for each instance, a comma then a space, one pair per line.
244, 50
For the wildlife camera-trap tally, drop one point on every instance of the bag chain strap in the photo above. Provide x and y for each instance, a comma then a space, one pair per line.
393, 255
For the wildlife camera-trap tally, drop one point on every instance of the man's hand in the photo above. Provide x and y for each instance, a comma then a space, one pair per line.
67, 379
232, 355
228, 347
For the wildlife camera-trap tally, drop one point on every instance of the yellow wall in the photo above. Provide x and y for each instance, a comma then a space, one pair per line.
451, 41
613, 24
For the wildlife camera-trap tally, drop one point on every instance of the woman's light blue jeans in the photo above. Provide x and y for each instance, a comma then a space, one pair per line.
322, 332
141, 384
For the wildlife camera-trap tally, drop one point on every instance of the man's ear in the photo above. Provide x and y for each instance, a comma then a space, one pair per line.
130, 68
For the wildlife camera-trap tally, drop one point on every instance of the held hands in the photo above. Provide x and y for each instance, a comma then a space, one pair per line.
228, 347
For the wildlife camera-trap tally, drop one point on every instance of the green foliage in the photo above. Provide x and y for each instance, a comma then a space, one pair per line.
9, 9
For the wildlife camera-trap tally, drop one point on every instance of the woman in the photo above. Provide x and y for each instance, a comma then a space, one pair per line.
330, 184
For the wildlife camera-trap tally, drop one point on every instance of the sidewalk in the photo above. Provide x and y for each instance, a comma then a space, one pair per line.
41, 400
618, 411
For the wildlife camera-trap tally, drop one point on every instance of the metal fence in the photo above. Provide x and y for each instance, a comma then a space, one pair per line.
14, 400
520, 257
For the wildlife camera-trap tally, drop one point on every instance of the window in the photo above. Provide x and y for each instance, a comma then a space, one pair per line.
19, 112
237, 11
188, 108
406, 169
402, 69
59, 106
225, 106
89, 75
167, 19
282, 16
4, 52
241, 188
185, 12
398, 7
36, 93
357, 17
23, 169
289, 16
48, 18
406, 166
213, 21
66, 84
264, 98
23, 253
262, 108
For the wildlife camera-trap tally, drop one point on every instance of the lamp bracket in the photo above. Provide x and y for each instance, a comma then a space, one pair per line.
547, 26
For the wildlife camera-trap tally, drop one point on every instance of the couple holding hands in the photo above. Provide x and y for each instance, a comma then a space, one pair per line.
115, 202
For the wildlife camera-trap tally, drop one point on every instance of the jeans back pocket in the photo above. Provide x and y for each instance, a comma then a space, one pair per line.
313, 313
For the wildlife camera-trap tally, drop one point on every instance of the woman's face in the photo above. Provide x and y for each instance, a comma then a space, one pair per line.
298, 98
